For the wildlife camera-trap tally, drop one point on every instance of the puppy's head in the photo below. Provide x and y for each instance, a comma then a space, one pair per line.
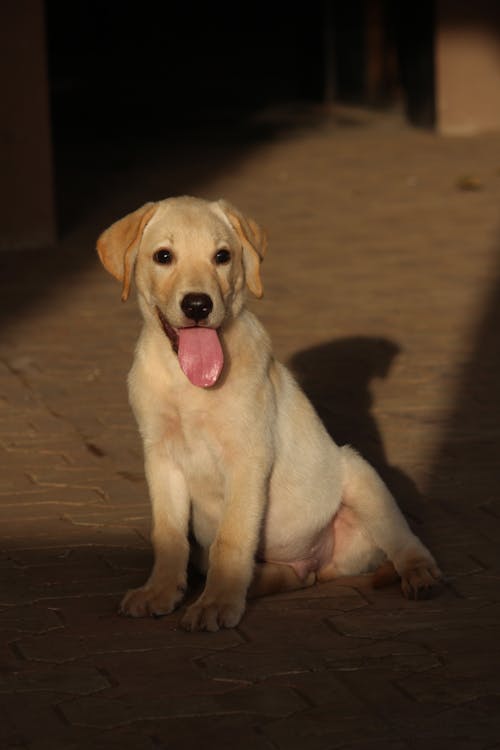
192, 260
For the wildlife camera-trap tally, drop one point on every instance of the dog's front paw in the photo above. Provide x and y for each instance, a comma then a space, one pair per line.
151, 600
211, 613
421, 579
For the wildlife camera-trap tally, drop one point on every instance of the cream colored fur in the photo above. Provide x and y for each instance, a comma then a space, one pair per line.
246, 465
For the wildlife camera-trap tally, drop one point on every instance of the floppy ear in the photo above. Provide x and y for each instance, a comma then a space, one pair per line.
118, 245
254, 242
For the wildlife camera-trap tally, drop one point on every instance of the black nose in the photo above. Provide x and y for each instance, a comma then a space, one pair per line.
197, 306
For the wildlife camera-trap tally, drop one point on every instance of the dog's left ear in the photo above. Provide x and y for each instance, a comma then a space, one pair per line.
118, 245
254, 242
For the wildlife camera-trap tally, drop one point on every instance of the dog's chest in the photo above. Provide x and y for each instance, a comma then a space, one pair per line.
197, 452
194, 446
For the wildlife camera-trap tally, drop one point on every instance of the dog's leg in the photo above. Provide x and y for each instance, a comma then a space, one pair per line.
170, 505
231, 557
271, 578
369, 499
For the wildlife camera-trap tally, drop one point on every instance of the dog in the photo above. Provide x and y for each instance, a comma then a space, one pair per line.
236, 458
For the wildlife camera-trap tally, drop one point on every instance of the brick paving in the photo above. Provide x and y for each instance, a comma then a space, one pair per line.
382, 291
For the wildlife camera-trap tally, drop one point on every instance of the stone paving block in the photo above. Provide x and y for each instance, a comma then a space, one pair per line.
132, 516
9, 659
46, 497
383, 695
221, 731
70, 556
479, 586
71, 574
6, 562
36, 444
29, 619
10, 485
380, 745
299, 630
181, 734
458, 561
33, 508
75, 490
30, 534
130, 559
454, 685
150, 633
24, 586
262, 701
73, 558
38, 721
10, 736
326, 604
17, 398
73, 679
70, 475
251, 665
58, 650
125, 487
324, 729
120, 443
115, 583
86, 612
15, 588
85, 453
477, 721
44, 423
394, 622
398, 657
162, 671
322, 686
479, 638
455, 743
487, 525
328, 596
119, 636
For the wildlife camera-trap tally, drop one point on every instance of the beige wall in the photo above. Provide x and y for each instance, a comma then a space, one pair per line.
26, 183
467, 66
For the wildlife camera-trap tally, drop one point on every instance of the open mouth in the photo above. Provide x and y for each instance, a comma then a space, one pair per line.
198, 349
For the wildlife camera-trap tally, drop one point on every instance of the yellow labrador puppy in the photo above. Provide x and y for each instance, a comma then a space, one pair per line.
234, 451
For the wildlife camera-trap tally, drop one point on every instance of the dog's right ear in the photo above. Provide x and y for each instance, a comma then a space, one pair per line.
118, 245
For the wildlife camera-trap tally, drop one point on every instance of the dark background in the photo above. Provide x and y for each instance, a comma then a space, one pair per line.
165, 65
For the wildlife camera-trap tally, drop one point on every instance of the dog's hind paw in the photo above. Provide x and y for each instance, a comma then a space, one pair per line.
421, 580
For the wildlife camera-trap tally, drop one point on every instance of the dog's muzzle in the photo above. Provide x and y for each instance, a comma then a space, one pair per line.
198, 349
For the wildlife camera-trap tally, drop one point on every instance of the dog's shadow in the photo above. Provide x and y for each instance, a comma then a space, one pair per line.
336, 377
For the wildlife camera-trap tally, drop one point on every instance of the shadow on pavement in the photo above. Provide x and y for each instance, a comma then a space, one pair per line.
99, 181
336, 377
464, 474
100, 176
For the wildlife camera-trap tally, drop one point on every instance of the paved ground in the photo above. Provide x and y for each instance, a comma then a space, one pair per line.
382, 291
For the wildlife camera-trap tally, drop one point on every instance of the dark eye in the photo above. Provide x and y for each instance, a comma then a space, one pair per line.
164, 257
222, 257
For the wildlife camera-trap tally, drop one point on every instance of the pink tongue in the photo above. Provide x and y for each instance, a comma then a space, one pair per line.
200, 355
